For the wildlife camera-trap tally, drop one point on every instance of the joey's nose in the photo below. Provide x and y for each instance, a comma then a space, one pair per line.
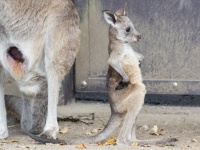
139, 37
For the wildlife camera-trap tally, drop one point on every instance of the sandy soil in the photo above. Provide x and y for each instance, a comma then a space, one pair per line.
180, 122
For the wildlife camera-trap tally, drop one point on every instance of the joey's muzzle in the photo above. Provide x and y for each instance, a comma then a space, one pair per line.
139, 37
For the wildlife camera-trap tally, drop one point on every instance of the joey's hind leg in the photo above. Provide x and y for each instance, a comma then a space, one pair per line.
127, 133
33, 115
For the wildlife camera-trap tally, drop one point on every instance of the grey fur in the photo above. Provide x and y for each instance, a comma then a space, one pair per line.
47, 34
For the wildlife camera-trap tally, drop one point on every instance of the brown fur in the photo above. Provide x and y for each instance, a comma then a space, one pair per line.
126, 103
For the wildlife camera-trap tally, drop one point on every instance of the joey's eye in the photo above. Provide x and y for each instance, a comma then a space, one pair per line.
128, 29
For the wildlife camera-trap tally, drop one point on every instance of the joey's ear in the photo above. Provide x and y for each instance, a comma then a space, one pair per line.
110, 17
122, 10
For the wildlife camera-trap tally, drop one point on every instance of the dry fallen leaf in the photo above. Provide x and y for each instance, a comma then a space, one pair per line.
64, 130
134, 144
8, 141
111, 141
88, 133
194, 140
100, 144
144, 145
154, 130
162, 132
95, 130
19, 146
14, 141
144, 128
81, 146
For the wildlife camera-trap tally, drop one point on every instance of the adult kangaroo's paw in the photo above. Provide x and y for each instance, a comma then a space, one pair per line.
3, 131
51, 130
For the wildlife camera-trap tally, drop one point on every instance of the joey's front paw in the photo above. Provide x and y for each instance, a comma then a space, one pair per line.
51, 130
3, 132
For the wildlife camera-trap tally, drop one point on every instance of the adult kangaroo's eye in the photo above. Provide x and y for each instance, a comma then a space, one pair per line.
128, 29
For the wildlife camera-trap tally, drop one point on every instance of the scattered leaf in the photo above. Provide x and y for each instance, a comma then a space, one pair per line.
100, 144
194, 140
14, 141
64, 130
8, 141
88, 133
81, 146
20, 146
134, 144
161, 145
154, 130
144, 145
144, 128
111, 141
162, 132
95, 130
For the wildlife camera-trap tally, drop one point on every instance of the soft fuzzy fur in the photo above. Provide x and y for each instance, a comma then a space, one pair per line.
39, 40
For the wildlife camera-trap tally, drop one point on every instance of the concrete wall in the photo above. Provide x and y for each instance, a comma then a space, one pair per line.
170, 32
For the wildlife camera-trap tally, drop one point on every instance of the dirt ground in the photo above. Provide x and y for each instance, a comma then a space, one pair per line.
86, 118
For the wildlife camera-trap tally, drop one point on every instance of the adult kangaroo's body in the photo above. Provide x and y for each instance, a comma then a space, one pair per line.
39, 40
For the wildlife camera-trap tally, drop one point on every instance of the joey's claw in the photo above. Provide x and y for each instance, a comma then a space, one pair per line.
121, 86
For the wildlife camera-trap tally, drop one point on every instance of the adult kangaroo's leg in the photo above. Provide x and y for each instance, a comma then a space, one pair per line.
62, 47
3, 120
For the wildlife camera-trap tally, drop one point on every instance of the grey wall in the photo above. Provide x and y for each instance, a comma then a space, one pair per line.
170, 32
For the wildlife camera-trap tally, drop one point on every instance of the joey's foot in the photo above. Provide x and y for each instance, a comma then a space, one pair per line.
121, 85
51, 130
3, 132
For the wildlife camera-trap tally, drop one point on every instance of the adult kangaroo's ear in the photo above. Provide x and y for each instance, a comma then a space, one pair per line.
122, 10
110, 17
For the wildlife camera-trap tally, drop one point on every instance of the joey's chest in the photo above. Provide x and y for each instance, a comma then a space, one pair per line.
124, 50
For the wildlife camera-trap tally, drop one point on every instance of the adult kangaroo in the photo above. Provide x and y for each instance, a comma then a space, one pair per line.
39, 40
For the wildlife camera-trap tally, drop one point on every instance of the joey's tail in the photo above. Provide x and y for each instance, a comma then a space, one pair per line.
112, 124
156, 141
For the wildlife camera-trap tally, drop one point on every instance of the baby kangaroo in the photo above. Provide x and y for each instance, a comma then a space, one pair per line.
123, 66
